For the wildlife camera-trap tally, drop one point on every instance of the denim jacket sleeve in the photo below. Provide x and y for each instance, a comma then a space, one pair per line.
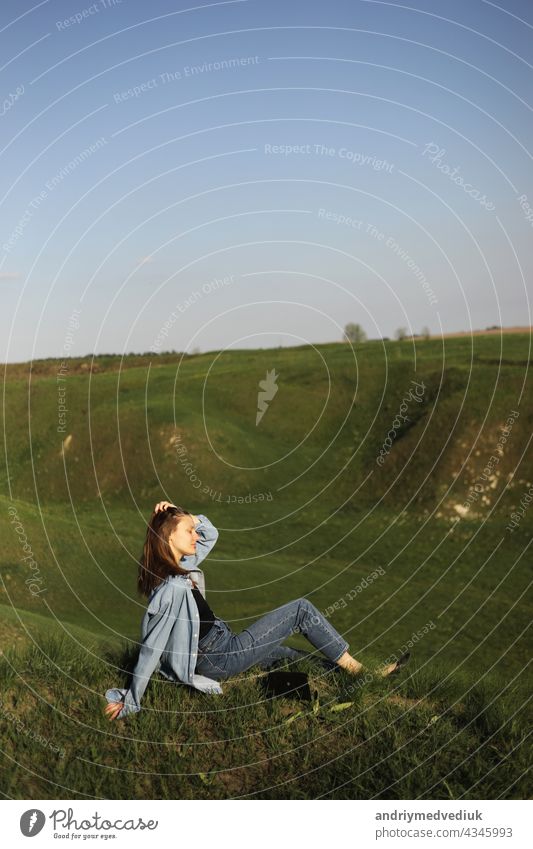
157, 625
208, 536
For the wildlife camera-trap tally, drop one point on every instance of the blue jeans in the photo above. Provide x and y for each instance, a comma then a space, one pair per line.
222, 653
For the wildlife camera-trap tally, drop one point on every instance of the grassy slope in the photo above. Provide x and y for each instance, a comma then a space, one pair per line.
468, 576
19, 628
431, 735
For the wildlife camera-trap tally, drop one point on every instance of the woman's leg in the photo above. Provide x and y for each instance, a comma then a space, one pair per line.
229, 653
281, 653
256, 643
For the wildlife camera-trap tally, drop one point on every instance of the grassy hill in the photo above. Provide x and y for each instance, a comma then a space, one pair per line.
436, 734
303, 508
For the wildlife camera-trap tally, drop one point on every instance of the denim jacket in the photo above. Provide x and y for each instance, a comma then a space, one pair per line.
170, 628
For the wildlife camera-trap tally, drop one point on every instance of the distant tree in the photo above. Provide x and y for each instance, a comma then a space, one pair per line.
425, 332
400, 334
354, 333
196, 351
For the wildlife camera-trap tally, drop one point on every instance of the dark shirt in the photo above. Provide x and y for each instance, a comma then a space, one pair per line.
207, 616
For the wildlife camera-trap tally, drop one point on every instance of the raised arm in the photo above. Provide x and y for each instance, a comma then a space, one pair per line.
204, 528
158, 630
208, 536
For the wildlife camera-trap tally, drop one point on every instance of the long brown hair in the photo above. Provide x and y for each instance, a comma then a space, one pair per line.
157, 560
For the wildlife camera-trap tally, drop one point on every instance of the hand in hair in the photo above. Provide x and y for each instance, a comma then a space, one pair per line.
163, 505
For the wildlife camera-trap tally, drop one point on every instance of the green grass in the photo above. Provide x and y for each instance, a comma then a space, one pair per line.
454, 726
20, 627
429, 735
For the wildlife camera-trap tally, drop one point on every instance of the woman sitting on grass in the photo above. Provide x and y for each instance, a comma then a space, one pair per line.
186, 642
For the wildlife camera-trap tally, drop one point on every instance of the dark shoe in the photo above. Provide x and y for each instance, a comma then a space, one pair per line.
400, 663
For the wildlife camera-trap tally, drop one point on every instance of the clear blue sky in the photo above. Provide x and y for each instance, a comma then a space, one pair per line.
321, 162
